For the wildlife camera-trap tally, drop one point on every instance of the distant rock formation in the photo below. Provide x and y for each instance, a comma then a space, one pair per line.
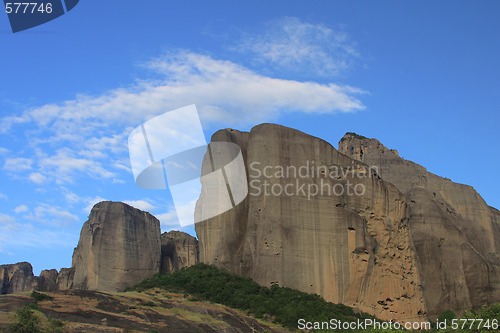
17, 278
388, 248
65, 278
47, 281
119, 246
455, 233
178, 250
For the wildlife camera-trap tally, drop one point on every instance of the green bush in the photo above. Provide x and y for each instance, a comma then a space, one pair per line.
39, 297
447, 315
55, 326
285, 305
27, 322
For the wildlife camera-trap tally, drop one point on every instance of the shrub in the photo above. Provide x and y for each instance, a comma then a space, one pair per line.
27, 322
285, 305
447, 315
39, 297
55, 326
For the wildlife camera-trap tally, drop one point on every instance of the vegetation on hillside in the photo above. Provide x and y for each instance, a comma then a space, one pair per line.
284, 305
29, 320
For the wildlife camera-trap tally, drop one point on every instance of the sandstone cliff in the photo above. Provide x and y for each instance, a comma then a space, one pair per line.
119, 246
178, 250
455, 233
17, 278
351, 249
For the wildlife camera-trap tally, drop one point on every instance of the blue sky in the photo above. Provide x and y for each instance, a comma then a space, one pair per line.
420, 76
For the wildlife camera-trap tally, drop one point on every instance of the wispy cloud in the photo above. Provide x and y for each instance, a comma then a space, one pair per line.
3, 196
168, 220
14, 234
65, 163
37, 178
140, 204
88, 134
91, 202
51, 215
18, 164
21, 209
296, 47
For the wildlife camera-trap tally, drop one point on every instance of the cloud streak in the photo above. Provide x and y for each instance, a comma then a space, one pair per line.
293, 46
96, 127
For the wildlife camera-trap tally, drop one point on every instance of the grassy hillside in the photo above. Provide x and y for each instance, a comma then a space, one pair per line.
283, 305
287, 306
154, 310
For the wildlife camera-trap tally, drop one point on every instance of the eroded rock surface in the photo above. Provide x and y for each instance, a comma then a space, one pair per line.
178, 250
455, 233
15, 278
119, 246
348, 248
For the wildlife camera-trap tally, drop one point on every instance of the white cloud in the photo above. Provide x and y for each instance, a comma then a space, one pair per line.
168, 220
18, 164
3, 196
223, 91
14, 234
140, 204
91, 203
299, 47
89, 133
37, 178
72, 197
6, 221
52, 215
3, 151
64, 165
21, 209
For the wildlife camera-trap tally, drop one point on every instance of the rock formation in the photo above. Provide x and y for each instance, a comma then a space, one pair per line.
455, 233
357, 235
17, 278
348, 248
65, 278
47, 281
359, 226
119, 246
178, 250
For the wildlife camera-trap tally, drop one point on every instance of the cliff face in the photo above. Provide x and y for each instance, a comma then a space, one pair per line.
17, 278
316, 235
455, 233
178, 250
119, 246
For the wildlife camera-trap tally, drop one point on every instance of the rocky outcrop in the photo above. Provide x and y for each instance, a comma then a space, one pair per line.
17, 278
455, 233
119, 246
65, 278
178, 250
47, 281
318, 221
